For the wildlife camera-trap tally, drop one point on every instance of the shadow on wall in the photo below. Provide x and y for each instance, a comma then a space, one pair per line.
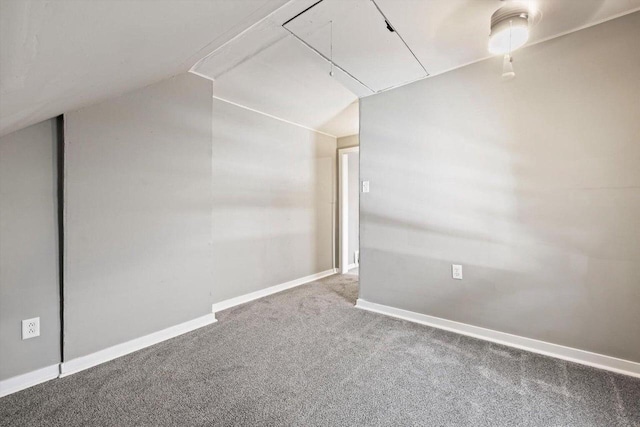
532, 185
137, 212
29, 281
273, 192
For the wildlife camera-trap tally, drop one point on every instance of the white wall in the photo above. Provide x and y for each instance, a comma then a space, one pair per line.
29, 284
137, 214
273, 193
532, 184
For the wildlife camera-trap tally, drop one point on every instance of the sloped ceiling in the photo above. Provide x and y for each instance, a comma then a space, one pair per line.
446, 34
60, 55
269, 70
356, 28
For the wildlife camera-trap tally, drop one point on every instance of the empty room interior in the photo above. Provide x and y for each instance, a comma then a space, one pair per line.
320, 213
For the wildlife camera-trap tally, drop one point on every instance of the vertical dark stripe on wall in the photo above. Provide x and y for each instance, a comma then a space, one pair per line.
60, 195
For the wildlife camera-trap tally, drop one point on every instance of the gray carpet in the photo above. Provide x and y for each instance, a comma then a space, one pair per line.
306, 357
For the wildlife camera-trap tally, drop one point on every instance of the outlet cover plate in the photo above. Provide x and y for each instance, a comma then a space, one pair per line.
31, 328
456, 271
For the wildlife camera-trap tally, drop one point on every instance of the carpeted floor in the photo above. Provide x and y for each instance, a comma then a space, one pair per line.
307, 357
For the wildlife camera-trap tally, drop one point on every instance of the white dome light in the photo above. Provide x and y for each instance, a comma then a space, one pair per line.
509, 30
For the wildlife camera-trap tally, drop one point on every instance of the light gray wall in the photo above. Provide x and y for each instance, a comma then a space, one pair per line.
354, 202
28, 249
273, 189
348, 141
138, 214
532, 184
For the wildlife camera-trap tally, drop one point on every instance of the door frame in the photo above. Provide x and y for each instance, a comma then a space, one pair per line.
343, 206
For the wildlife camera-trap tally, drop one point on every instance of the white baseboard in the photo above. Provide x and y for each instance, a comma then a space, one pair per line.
110, 353
352, 266
64, 369
621, 366
232, 302
20, 382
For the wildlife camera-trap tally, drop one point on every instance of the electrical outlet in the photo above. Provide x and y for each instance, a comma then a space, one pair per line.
456, 271
31, 328
365, 186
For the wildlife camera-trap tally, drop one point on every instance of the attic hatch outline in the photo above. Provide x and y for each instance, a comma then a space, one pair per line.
389, 27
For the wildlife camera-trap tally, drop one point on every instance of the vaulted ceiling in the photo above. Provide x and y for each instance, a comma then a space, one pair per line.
280, 65
60, 55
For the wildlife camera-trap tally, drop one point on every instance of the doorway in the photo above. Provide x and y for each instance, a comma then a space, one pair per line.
349, 209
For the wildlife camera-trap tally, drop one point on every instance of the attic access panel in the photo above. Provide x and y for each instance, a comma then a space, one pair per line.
365, 44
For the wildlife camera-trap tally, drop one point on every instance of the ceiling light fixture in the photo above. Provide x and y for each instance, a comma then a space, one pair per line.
509, 31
